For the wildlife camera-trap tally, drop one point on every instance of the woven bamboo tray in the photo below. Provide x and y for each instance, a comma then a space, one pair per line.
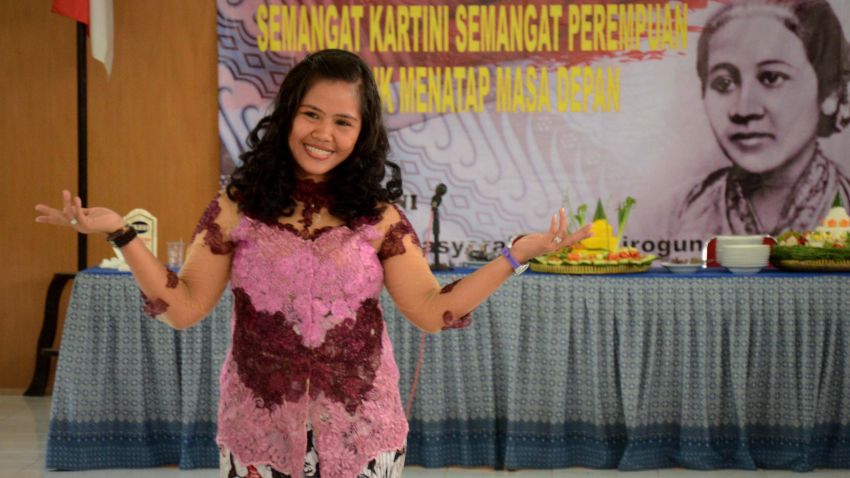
818, 265
590, 269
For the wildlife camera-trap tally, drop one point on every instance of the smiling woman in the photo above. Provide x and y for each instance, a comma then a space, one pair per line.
307, 234
774, 77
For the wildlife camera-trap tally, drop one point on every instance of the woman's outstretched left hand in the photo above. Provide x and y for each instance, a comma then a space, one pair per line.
85, 220
557, 237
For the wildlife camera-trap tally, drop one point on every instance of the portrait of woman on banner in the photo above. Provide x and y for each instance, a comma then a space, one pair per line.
774, 77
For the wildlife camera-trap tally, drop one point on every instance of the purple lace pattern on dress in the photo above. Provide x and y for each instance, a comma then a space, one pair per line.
275, 364
159, 306
155, 307
363, 221
303, 233
393, 244
314, 196
449, 320
346, 362
172, 280
214, 238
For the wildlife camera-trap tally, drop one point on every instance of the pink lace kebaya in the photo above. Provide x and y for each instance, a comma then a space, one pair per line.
309, 342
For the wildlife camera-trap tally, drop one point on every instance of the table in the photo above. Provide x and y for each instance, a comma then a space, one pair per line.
654, 370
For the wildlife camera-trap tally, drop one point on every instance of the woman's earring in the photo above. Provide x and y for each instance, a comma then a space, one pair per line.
829, 106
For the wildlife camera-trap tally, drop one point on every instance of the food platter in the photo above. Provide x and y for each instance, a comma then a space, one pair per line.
590, 269
810, 259
598, 254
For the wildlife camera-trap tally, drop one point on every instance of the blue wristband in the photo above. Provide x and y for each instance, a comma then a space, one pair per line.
517, 267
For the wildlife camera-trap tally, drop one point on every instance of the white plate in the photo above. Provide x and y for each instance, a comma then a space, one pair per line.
744, 270
681, 268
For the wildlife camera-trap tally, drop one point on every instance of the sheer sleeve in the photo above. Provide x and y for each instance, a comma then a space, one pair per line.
184, 299
413, 287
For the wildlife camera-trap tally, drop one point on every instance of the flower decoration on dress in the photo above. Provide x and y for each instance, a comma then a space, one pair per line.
449, 320
214, 238
153, 308
275, 364
393, 244
156, 307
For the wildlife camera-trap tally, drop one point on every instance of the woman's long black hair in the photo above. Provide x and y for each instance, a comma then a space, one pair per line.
264, 183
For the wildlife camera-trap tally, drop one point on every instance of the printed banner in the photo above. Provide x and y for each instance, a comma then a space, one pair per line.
717, 117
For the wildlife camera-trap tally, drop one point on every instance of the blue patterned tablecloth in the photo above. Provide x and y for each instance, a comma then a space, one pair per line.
705, 370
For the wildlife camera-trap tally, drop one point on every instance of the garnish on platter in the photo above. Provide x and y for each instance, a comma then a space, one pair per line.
827, 248
599, 254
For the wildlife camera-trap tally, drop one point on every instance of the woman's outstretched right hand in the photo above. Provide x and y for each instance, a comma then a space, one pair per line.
86, 220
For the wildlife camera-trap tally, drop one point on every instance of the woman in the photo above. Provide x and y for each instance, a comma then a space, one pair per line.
774, 78
307, 235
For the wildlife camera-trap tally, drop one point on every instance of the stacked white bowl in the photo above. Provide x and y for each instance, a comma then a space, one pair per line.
742, 254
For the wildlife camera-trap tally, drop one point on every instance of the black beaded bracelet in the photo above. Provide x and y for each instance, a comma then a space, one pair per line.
122, 237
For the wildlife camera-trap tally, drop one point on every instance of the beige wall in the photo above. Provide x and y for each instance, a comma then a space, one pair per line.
152, 139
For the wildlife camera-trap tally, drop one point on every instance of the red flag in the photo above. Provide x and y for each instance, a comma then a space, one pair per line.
75, 9
97, 14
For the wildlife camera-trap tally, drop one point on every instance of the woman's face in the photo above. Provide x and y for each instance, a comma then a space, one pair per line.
761, 94
325, 128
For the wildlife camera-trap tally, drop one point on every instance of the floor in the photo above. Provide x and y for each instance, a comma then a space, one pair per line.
23, 437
